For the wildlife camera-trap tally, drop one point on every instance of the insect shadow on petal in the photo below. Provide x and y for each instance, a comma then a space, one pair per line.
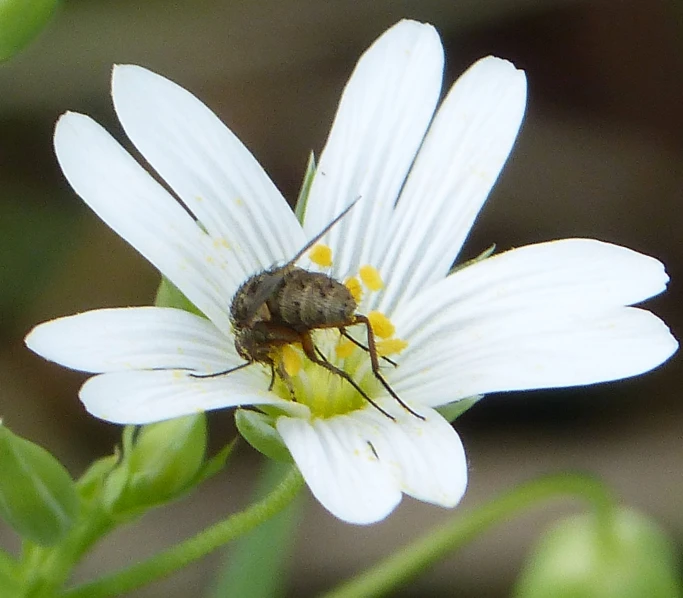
283, 305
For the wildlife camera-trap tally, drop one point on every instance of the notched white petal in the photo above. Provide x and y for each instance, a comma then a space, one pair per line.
143, 213
569, 275
141, 397
462, 155
426, 457
208, 167
357, 465
340, 468
382, 117
527, 350
108, 340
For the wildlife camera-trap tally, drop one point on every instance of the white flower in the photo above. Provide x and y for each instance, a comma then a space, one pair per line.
548, 315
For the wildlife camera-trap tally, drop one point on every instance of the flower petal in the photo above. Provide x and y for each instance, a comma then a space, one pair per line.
107, 340
458, 164
381, 120
134, 205
208, 167
426, 456
572, 275
340, 468
542, 316
142, 397
529, 349
358, 464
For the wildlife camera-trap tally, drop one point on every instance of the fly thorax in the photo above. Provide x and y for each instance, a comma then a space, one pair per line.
326, 309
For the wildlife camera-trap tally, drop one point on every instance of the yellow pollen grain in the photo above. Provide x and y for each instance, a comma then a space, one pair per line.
321, 254
353, 284
291, 360
344, 348
381, 325
390, 346
371, 278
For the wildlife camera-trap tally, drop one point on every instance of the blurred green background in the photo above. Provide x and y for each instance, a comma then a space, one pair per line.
600, 155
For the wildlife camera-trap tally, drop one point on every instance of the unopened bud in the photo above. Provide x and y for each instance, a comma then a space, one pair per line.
625, 556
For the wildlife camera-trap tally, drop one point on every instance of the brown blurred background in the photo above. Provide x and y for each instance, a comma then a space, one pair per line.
600, 155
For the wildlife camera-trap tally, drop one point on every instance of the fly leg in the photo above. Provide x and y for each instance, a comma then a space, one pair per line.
360, 345
310, 351
374, 361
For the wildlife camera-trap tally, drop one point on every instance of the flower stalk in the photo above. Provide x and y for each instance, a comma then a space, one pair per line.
193, 549
415, 558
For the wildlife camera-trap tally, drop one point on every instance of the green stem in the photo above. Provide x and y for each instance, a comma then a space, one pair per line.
424, 552
190, 550
46, 568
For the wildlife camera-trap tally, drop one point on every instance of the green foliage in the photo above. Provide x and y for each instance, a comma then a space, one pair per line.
453, 411
582, 557
21, 21
302, 200
37, 495
168, 295
258, 429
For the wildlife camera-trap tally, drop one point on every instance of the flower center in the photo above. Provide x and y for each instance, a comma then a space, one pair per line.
335, 390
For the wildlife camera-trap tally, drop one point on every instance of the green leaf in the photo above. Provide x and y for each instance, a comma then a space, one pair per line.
453, 411
38, 498
256, 566
259, 431
21, 21
168, 295
302, 200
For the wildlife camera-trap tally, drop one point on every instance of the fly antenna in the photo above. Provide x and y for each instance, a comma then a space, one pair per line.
322, 233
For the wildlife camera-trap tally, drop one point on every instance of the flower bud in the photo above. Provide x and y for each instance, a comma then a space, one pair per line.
20, 22
161, 462
627, 556
37, 495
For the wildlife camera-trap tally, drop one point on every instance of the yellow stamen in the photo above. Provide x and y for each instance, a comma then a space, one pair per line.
371, 278
354, 288
381, 325
321, 254
390, 346
344, 348
291, 360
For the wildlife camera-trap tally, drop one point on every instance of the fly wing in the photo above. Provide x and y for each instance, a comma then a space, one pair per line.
264, 291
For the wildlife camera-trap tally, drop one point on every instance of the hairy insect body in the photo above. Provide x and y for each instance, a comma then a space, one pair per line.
275, 307
307, 300
284, 305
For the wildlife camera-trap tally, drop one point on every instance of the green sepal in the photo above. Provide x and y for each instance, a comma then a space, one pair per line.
487, 253
91, 484
626, 555
21, 21
302, 200
213, 465
38, 498
168, 295
453, 411
258, 429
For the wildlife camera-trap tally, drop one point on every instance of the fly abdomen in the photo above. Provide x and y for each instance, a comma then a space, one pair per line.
308, 300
